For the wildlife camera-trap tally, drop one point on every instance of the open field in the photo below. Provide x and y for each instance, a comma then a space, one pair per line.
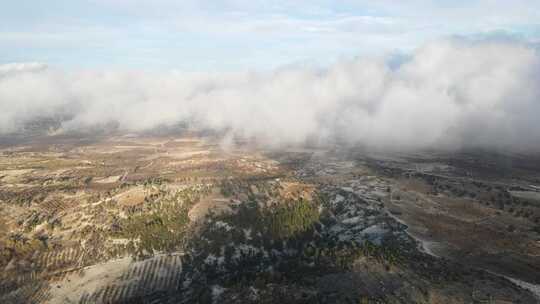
154, 219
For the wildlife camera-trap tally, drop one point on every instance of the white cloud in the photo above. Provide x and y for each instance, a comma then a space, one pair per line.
21, 67
450, 94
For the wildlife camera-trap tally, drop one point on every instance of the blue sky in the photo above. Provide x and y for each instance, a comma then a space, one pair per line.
237, 34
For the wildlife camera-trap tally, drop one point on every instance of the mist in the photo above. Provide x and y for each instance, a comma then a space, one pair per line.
448, 94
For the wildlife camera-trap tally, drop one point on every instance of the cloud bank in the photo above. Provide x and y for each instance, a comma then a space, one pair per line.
449, 94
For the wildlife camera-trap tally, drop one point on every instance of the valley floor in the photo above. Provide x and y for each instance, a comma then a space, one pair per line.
125, 219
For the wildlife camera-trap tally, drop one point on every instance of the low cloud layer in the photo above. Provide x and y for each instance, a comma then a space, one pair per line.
449, 94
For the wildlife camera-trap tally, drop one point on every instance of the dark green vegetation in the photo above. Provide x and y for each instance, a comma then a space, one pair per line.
271, 245
162, 225
288, 220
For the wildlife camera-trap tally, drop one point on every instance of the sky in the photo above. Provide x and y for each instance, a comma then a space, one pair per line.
385, 75
232, 35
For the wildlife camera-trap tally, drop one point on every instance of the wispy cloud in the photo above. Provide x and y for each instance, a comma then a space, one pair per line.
242, 34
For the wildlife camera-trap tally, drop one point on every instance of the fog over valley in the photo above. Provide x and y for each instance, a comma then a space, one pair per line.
448, 94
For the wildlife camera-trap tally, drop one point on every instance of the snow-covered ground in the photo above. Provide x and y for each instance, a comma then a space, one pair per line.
535, 289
